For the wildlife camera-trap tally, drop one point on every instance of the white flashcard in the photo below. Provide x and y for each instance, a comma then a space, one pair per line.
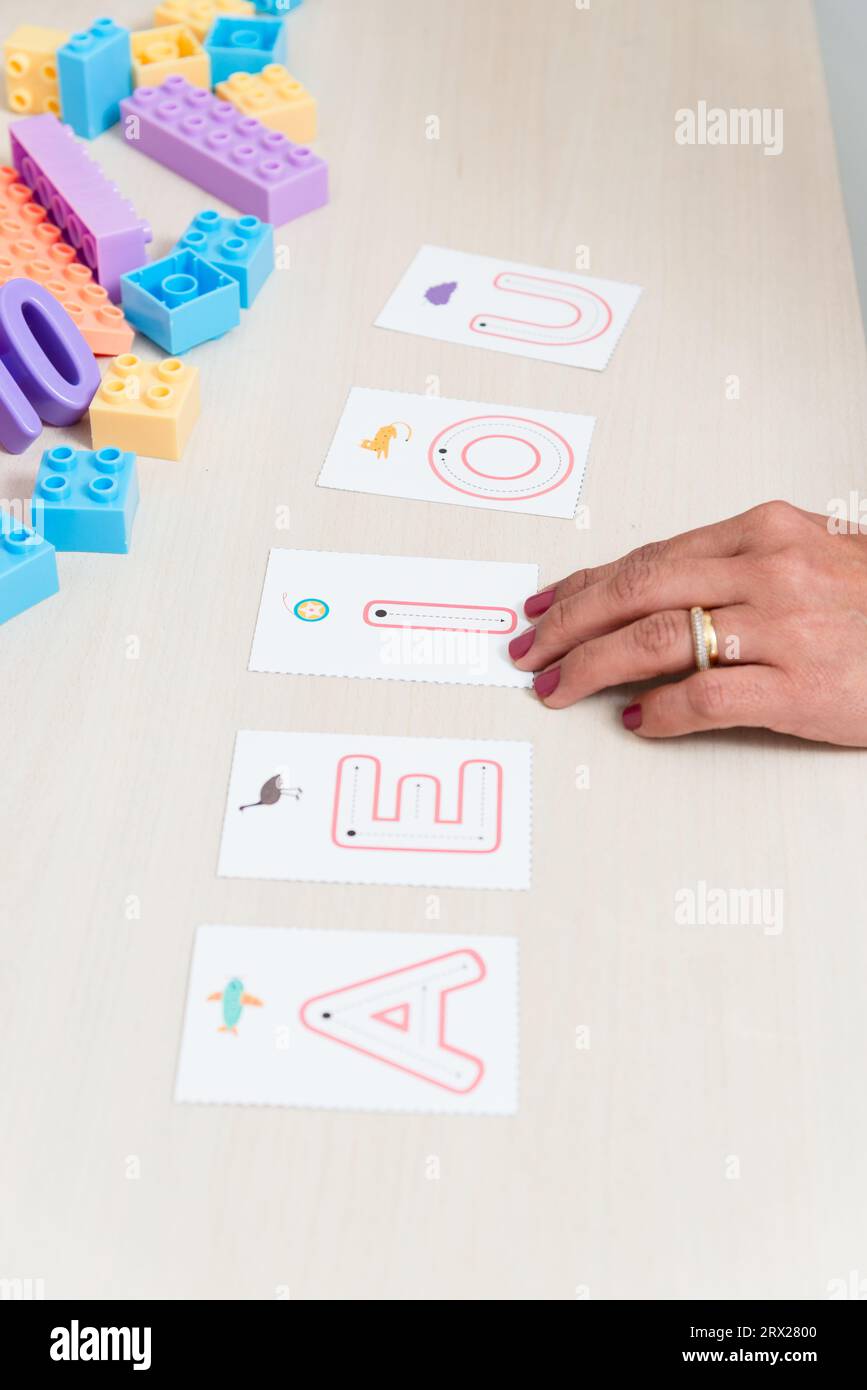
350, 1020
526, 310
391, 616
359, 808
432, 449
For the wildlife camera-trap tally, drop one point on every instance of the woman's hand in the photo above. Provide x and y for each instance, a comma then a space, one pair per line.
788, 599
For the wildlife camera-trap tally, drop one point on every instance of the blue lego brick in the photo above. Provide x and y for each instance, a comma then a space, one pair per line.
180, 301
242, 247
94, 70
239, 44
28, 568
86, 500
276, 6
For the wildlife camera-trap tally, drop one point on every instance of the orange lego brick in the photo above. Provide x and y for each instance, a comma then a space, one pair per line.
275, 98
199, 15
31, 69
32, 248
166, 51
146, 407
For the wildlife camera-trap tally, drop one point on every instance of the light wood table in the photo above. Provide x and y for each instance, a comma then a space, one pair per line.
711, 1140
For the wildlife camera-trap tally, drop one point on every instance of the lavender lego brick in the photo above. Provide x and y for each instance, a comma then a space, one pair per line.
234, 157
92, 214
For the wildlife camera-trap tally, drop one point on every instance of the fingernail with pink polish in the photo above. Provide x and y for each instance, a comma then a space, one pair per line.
519, 646
537, 604
632, 717
546, 683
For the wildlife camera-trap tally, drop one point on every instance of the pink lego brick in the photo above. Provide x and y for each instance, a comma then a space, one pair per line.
234, 157
93, 216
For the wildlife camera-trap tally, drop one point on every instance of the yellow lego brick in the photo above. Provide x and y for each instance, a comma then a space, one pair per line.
199, 15
275, 98
172, 50
31, 69
147, 407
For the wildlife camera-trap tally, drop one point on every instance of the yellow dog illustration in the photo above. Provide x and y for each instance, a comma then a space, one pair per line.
383, 437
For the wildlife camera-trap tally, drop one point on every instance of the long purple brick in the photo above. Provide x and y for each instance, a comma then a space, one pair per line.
234, 157
94, 217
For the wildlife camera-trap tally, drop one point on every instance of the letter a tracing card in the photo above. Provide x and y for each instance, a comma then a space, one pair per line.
353, 1020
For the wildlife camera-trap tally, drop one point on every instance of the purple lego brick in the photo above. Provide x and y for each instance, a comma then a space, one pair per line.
92, 214
234, 157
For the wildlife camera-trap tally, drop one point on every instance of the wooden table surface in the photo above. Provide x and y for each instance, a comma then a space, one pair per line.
711, 1139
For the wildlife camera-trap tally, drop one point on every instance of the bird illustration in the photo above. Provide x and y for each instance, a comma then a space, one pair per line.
234, 998
271, 792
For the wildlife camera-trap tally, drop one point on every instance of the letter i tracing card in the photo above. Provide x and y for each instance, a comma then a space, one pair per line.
391, 617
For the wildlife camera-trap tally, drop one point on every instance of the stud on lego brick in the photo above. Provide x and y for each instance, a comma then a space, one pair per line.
275, 98
86, 500
181, 301
276, 6
95, 73
149, 408
31, 248
47, 371
30, 60
28, 568
93, 216
158, 53
199, 15
242, 247
244, 45
231, 156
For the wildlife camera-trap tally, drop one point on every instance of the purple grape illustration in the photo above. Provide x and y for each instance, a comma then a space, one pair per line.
441, 294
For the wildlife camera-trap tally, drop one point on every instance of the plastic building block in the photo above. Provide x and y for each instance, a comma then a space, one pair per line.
95, 72
199, 15
245, 45
31, 248
157, 53
181, 301
28, 568
47, 371
94, 218
242, 247
147, 407
276, 6
30, 59
229, 155
85, 500
275, 98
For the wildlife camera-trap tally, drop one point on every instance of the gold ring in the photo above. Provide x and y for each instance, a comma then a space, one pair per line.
710, 639
704, 639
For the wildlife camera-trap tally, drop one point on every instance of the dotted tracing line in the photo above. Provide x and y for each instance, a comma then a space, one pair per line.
446, 617
519, 491
412, 835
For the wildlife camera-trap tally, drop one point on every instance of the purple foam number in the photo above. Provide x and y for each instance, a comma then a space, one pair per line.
47, 371
92, 214
234, 157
